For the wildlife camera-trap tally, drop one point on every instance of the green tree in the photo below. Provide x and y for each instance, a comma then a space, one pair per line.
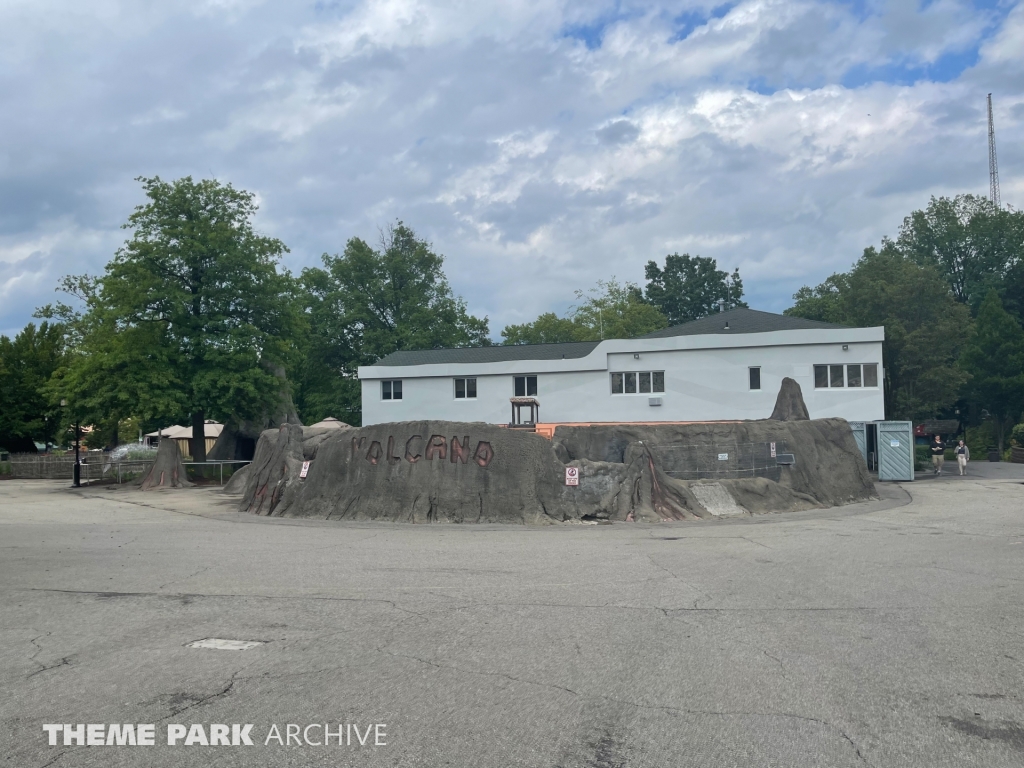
548, 328
925, 328
973, 245
26, 365
994, 358
609, 311
690, 287
367, 303
191, 316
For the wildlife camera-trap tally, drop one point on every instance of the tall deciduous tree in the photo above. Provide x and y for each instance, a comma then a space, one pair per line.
191, 316
690, 287
925, 328
994, 357
611, 310
26, 364
369, 302
973, 245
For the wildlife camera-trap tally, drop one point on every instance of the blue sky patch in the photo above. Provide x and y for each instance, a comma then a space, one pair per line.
688, 21
946, 68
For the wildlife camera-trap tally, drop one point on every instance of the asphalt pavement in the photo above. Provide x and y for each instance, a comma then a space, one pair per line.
889, 633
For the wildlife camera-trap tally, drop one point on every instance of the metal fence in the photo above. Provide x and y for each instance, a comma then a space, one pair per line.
96, 467
720, 460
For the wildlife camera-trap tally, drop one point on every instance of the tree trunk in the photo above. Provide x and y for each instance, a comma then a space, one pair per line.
198, 436
115, 438
1000, 428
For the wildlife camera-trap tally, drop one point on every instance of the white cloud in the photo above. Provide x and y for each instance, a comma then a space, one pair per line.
765, 137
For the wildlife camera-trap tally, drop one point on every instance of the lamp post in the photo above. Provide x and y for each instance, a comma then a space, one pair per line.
76, 477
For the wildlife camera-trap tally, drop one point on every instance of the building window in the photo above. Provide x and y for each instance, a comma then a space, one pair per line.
391, 390
525, 386
638, 382
821, 377
465, 389
856, 375
755, 377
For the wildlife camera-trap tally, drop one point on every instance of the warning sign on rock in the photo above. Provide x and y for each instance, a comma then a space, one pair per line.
572, 475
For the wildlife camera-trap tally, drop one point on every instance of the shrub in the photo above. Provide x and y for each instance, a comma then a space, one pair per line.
981, 439
1017, 436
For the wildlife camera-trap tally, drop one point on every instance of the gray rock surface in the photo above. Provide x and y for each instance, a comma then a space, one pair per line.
167, 471
237, 482
789, 405
437, 471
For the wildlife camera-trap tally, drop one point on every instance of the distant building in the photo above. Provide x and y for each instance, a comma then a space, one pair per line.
727, 366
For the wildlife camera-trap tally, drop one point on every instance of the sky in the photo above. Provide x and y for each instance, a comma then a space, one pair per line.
539, 145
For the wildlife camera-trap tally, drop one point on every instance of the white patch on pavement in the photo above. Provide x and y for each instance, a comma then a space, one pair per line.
219, 644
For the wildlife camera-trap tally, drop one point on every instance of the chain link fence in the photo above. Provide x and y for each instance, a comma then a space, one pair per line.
100, 467
720, 460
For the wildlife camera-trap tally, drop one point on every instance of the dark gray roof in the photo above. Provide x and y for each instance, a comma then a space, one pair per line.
740, 321
496, 354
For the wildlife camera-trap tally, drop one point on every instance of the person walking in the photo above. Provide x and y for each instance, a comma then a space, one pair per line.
938, 449
963, 455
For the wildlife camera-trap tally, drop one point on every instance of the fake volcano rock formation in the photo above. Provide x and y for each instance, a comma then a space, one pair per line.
442, 471
167, 471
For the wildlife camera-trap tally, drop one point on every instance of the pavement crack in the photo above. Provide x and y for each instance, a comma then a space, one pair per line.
777, 660
63, 662
56, 757
186, 578
194, 596
462, 670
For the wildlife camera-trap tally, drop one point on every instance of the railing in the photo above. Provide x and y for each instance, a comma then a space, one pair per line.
219, 464
95, 467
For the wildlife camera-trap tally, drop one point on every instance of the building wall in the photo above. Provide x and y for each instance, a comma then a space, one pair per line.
701, 384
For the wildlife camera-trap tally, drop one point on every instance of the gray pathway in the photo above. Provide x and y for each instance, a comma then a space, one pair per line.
887, 634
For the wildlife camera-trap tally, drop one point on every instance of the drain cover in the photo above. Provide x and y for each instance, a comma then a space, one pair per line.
219, 644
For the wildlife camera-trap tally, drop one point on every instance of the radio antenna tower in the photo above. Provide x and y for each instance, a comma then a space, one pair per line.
993, 166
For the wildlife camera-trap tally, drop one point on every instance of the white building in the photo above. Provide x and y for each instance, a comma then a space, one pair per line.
726, 366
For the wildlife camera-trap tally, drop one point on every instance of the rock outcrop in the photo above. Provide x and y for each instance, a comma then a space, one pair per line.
438, 471
167, 471
789, 405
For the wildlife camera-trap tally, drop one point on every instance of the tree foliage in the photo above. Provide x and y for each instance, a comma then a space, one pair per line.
994, 359
925, 328
190, 317
369, 302
26, 364
609, 311
690, 287
975, 246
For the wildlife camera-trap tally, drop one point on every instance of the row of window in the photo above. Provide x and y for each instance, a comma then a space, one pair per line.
649, 382
638, 382
465, 388
850, 375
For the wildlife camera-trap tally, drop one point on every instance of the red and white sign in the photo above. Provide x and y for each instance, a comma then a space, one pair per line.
305, 469
773, 450
572, 475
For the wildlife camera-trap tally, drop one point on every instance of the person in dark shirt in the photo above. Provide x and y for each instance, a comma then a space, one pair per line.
938, 454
